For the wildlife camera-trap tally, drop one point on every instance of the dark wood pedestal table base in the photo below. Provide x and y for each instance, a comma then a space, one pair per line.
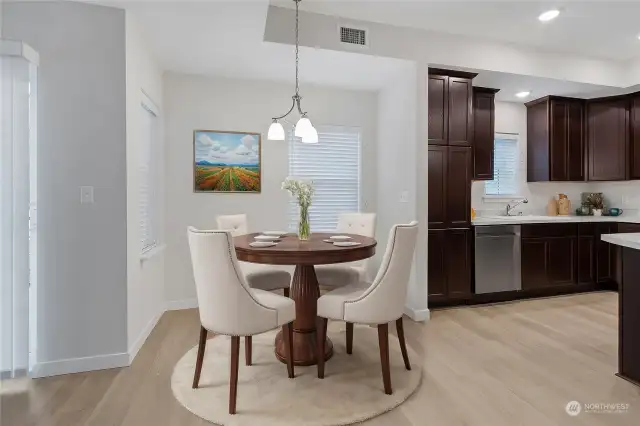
304, 288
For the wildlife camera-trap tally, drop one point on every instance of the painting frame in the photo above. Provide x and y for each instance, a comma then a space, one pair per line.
199, 190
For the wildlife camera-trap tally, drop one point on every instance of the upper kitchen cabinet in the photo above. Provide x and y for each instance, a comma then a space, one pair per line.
608, 138
483, 132
555, 139
450, 107
634, 164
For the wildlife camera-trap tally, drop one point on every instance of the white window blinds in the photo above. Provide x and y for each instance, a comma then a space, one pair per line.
505, 166
333, 164
147, 190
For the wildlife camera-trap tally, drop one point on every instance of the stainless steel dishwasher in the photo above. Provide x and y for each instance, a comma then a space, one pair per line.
497, 258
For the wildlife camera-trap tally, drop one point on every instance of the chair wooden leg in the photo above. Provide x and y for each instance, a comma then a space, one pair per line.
321, 333
403, 345
233, 380
247, 350
286, 292
202, 343
383, 340
287, 334
349, 338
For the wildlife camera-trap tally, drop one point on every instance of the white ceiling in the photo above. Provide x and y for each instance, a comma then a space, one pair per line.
510, 84
226, 38
604, 29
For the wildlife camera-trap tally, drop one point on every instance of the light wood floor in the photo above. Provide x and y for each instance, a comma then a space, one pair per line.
510, 364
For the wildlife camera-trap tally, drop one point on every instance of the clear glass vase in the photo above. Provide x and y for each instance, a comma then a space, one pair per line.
304, 230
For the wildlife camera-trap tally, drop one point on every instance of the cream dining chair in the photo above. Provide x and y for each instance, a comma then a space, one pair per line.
341, 274
378, 303
263, 277
229, 306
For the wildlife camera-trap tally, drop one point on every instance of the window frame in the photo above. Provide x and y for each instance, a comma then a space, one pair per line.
324, 128
499, 198
146, 251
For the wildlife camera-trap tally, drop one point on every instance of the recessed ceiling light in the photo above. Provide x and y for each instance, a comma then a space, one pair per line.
549, 15
523, 94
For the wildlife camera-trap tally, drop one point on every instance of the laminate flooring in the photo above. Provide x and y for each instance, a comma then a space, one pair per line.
512, 364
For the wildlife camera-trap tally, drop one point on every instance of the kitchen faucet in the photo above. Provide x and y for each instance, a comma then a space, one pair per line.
511, 207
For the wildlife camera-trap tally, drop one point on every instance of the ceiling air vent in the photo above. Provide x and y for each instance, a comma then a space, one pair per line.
355, 36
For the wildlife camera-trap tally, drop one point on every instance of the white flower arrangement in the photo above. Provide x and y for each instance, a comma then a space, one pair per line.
302, 190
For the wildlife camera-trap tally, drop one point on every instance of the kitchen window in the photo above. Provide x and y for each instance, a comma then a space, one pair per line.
333, 164
147, 192
505, 164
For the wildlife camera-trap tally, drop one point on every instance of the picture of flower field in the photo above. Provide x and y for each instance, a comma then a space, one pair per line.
226, 161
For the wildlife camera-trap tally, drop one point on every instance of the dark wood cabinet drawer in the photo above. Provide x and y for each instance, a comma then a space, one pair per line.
585, 229
628, 227
544, 230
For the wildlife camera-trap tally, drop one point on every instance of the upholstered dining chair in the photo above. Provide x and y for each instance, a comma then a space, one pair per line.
263, 277
378, 303
347, 273
229, 306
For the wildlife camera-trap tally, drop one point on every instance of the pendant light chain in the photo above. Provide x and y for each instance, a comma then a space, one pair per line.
297, 47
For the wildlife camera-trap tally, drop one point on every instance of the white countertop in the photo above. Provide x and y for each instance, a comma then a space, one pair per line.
631, 240
519, 220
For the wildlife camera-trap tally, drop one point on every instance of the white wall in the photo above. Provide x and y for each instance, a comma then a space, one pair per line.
511, 117
145, 278
193, 102
397, 173
81, 128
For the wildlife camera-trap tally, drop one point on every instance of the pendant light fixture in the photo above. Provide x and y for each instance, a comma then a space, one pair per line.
304, 129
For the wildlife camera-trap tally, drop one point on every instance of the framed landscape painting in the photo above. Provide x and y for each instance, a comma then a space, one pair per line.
226, 161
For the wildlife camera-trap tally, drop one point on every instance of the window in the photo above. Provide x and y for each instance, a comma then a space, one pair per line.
333, 164
505, 161
147, 190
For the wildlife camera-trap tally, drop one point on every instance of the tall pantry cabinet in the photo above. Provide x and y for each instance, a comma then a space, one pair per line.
451, 133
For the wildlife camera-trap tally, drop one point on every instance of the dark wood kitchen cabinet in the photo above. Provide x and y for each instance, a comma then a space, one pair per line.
458, 187
549, 255
450, 107
449, 187
449, 264
483, 132
608, 139
586, 253
634, 145
555, 139
605, 254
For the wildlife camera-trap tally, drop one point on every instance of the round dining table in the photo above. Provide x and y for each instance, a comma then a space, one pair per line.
304, 287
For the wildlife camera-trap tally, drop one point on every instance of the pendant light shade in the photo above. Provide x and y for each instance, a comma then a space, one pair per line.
276, 132
303, 128
311, 137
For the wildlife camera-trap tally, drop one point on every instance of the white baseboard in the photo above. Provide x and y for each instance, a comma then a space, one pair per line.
133, 350
418, 315
176, 305
77, 365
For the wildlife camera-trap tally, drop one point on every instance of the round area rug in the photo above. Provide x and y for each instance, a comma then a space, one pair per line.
351, 392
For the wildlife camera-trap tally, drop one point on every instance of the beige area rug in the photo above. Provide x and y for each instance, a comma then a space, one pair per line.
351, 391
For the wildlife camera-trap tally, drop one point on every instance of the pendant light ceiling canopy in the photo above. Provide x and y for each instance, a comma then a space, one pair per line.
304, 129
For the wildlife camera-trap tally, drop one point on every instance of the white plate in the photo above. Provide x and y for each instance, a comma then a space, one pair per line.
262, 244
339, 237
275, 233
346, 243
266, 237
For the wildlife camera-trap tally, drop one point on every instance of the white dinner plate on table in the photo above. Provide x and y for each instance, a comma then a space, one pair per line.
266, 237
262, 244
274, 233
339, 237
346, 243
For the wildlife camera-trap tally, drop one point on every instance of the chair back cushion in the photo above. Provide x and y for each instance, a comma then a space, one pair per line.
359, 224
226, 302
234, 223
384, 301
